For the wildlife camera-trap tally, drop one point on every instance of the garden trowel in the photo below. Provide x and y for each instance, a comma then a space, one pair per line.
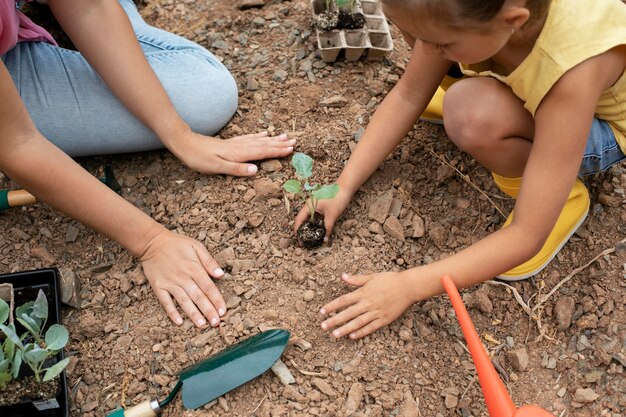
497, 399
213, 377
16, 198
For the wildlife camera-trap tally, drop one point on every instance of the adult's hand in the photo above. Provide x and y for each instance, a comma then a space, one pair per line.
181, 268
210, 155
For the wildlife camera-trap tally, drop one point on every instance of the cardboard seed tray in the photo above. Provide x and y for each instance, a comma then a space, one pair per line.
372, 41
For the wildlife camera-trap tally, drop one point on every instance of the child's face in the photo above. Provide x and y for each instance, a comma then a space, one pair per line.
457, 45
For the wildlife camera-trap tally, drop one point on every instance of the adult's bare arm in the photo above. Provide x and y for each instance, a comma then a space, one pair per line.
103, 34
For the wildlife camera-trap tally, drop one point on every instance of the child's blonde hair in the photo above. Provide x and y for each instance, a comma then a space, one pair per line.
461, 13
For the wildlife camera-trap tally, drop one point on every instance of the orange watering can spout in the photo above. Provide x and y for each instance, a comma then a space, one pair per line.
497, 399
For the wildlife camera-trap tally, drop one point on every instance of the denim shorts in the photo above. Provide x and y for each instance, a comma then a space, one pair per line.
602, 150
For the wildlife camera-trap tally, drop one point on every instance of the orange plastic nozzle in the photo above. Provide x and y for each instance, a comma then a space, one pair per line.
497, 399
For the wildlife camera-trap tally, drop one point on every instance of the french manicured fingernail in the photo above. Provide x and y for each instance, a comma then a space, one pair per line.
179, 320
214, 321
345, 276
252, 169
201, 322
218, 271
324, 326
322, 311
290, 148
336, 333
291, 141
352, 335
221, 312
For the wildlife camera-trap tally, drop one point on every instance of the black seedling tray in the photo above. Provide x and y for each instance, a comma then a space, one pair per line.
26, 285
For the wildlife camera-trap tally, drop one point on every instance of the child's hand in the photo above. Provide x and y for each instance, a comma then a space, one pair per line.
331, 209
380, 299
180, 267
227, 156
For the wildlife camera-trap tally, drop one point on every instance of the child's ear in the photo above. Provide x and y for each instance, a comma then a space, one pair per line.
515, 16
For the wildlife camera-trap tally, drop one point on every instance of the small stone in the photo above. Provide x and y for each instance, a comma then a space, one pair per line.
292, 394
585, 395
324, 387
409, 406
249, 195
266, 188
353, 401
380, 207
202, 339
255, 219
518, 358
252, 84
233, 302
249, 4
273, 165
225, 256
309, 295
418, 226
334, 101
393, 228
280, 75
564, 311
258, 22
282, 372
71, 233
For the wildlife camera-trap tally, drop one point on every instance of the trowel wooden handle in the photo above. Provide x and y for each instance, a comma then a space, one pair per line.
144, 409
15, 198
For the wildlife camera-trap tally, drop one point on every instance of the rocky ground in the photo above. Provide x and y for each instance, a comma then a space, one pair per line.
561, 347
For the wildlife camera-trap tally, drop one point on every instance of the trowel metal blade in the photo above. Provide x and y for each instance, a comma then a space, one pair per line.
232, 367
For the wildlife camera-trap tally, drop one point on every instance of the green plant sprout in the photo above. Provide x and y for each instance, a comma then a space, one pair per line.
32, 347
311, 194
342, 4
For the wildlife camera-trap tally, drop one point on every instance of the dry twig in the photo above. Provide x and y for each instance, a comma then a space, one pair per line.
467, 180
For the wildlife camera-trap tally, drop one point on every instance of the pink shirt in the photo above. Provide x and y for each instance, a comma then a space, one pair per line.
15, 27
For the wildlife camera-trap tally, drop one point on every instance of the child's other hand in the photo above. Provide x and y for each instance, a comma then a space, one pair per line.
210, 155
380, 299
180, 267
331, 209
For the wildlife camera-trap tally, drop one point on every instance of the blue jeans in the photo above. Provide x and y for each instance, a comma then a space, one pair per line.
602, 150
73, 108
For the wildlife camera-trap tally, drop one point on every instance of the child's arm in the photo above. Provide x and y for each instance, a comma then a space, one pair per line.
103, 34
390, 123
176, 266
562, 125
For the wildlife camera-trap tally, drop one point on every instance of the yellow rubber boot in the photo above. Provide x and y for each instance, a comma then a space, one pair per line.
573, 214
434, 110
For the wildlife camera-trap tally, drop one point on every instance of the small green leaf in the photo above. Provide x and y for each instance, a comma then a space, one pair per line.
326, 192
55, 369
40, 308
293, 186
4, 311
4, 365
36, 356
11, 335
26, 308
303, 165
30, 324
17, 363
4, 378
56, 337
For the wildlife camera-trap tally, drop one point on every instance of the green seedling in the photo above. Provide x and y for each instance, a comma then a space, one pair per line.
33, 347
310, 193
341, 4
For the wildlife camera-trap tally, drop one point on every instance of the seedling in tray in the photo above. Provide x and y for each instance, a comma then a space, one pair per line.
339, 14
310, 233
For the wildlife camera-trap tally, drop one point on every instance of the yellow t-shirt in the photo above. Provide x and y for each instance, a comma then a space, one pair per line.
574, 31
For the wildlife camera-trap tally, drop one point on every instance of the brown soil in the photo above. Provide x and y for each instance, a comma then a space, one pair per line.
28, 389
125, 349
